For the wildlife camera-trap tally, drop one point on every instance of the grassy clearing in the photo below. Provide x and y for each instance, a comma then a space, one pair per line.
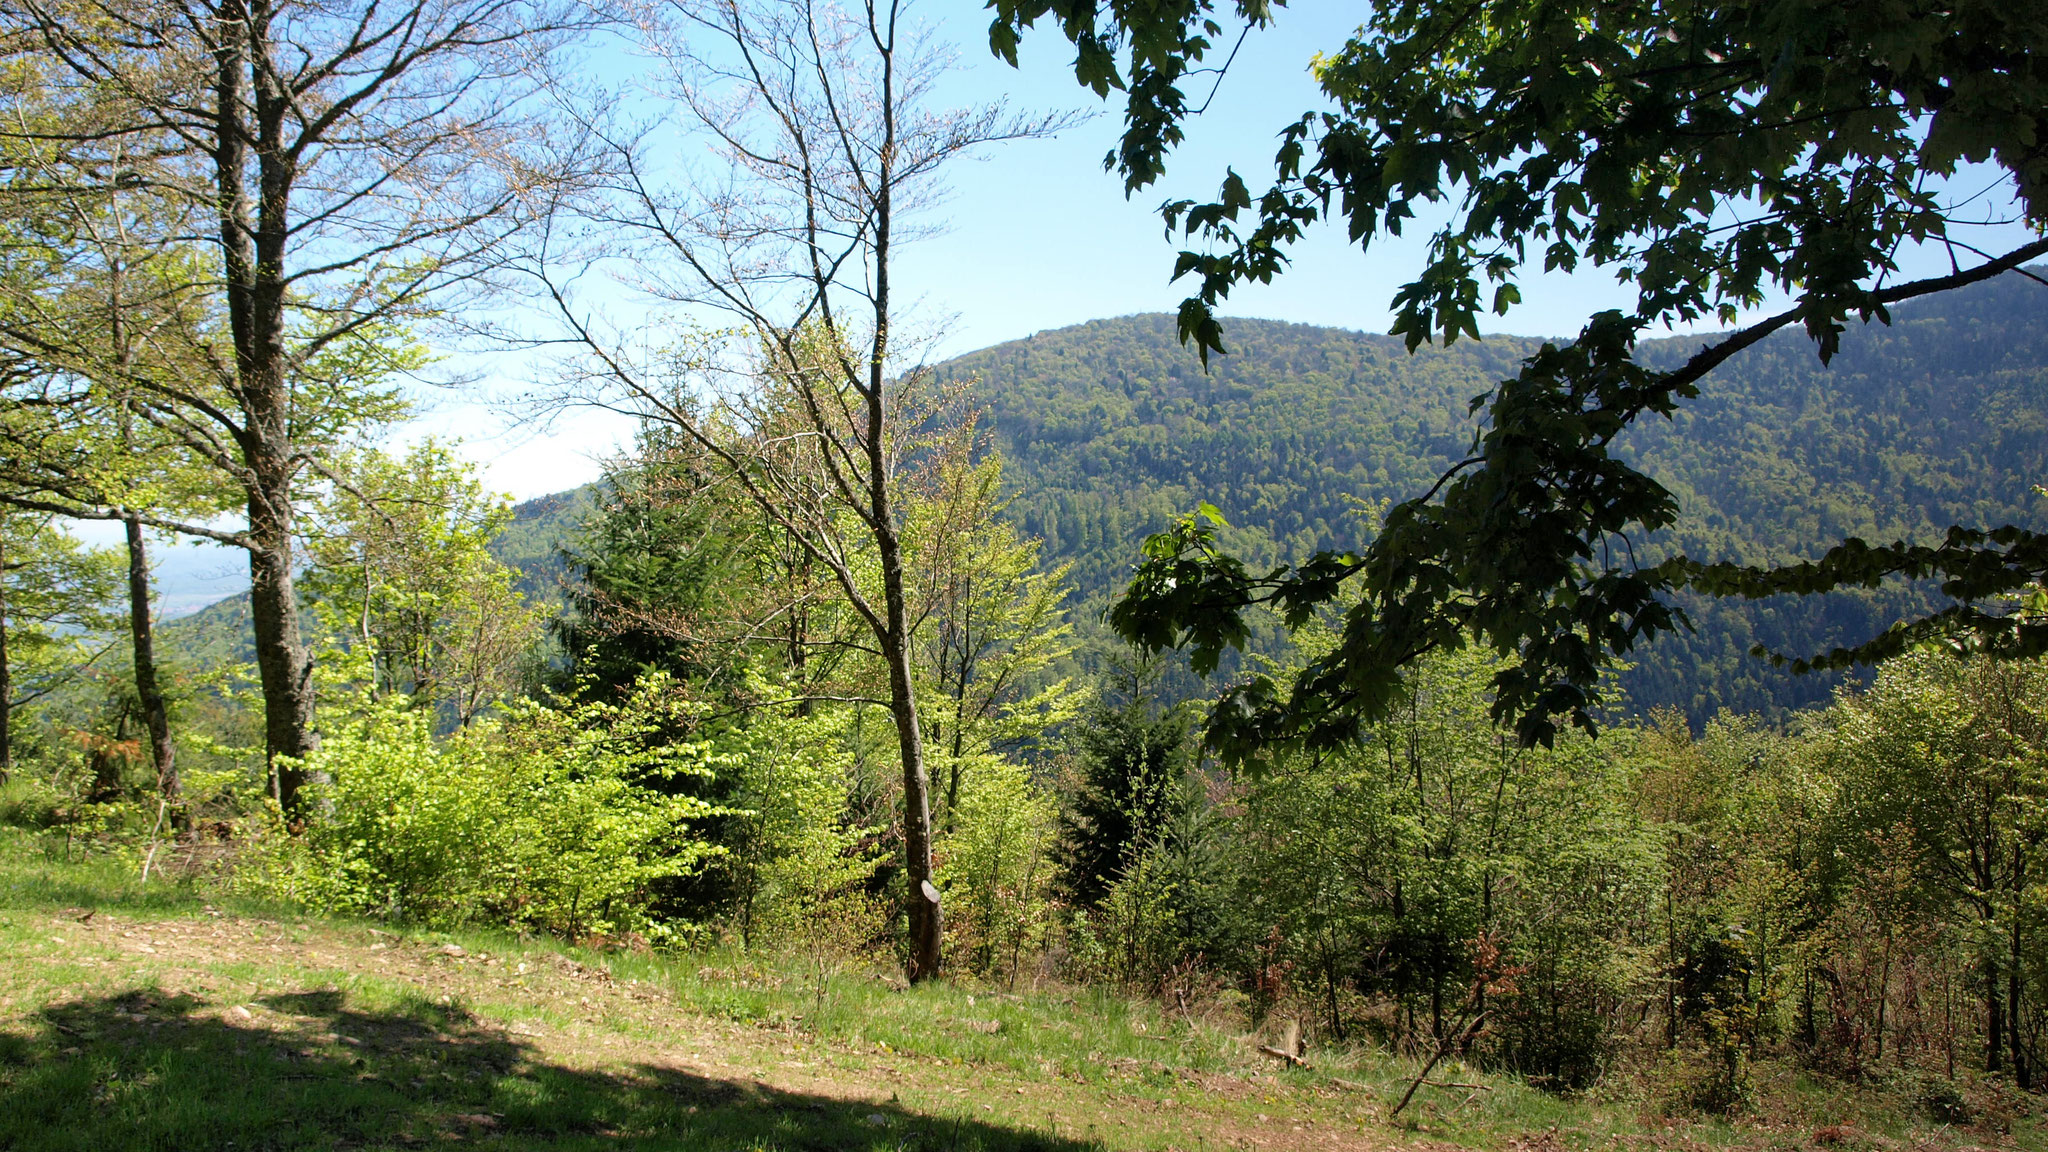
147, 1017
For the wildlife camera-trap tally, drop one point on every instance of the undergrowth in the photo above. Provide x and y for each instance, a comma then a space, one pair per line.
1063, 1038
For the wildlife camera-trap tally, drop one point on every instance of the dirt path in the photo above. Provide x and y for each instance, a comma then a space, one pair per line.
399, 1016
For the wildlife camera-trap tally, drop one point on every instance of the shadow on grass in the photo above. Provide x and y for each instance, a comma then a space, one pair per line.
145, 1070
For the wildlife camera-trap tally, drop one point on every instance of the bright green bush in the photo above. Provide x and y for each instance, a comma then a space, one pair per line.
31, 803
996, 868
800, 864
551, 818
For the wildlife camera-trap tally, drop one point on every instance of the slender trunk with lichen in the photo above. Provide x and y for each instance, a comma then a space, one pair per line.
156, 717
6, 676
922, 896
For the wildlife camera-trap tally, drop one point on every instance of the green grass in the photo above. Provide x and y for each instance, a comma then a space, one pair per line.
141, 1070
263, 1027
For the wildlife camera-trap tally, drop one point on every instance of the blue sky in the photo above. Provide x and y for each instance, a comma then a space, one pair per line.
1037, 236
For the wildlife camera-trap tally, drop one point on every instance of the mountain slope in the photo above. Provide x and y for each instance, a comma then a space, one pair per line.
1111, 428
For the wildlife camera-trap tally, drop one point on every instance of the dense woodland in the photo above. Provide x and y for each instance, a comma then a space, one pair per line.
826, 662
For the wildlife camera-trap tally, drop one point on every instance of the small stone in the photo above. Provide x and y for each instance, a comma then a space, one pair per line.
456, 950
241, 1013
877, 1120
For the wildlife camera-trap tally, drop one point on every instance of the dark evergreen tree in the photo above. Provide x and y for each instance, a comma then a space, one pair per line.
653, 574
1132, 761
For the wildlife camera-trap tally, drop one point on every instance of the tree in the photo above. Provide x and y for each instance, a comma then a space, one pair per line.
676, 571
1713, 157
54, 595
403, 573
346, 167
1953, 753
83, 449
817, 410
992, 625
1132, 760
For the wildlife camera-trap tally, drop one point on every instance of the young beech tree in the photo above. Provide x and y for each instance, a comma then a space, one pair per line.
403, 573
991, 626
346, 165
1948, 758
55, 604
1742, 815
826, 150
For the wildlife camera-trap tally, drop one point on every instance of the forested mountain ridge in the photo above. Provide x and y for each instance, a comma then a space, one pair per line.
1111, 428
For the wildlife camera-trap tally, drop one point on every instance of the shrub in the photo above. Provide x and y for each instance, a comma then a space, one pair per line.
30, 803
549, 818
800, 868
995, 867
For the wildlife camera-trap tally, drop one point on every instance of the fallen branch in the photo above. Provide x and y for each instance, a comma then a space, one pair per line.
1293, 1061
1467, 1025
1470, 1019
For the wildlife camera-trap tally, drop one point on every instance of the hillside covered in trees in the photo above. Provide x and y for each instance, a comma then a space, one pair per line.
1111, 429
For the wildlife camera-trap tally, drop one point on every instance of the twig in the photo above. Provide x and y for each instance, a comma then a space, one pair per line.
1278, 1054
161, 805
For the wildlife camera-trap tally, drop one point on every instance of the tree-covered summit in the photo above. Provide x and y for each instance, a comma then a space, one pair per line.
1112, 428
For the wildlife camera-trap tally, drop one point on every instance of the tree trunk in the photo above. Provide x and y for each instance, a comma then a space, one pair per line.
254, 232
2015, 979
1994, 1023
156, 716
922, 896
6, 676
283, 664
105, 787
